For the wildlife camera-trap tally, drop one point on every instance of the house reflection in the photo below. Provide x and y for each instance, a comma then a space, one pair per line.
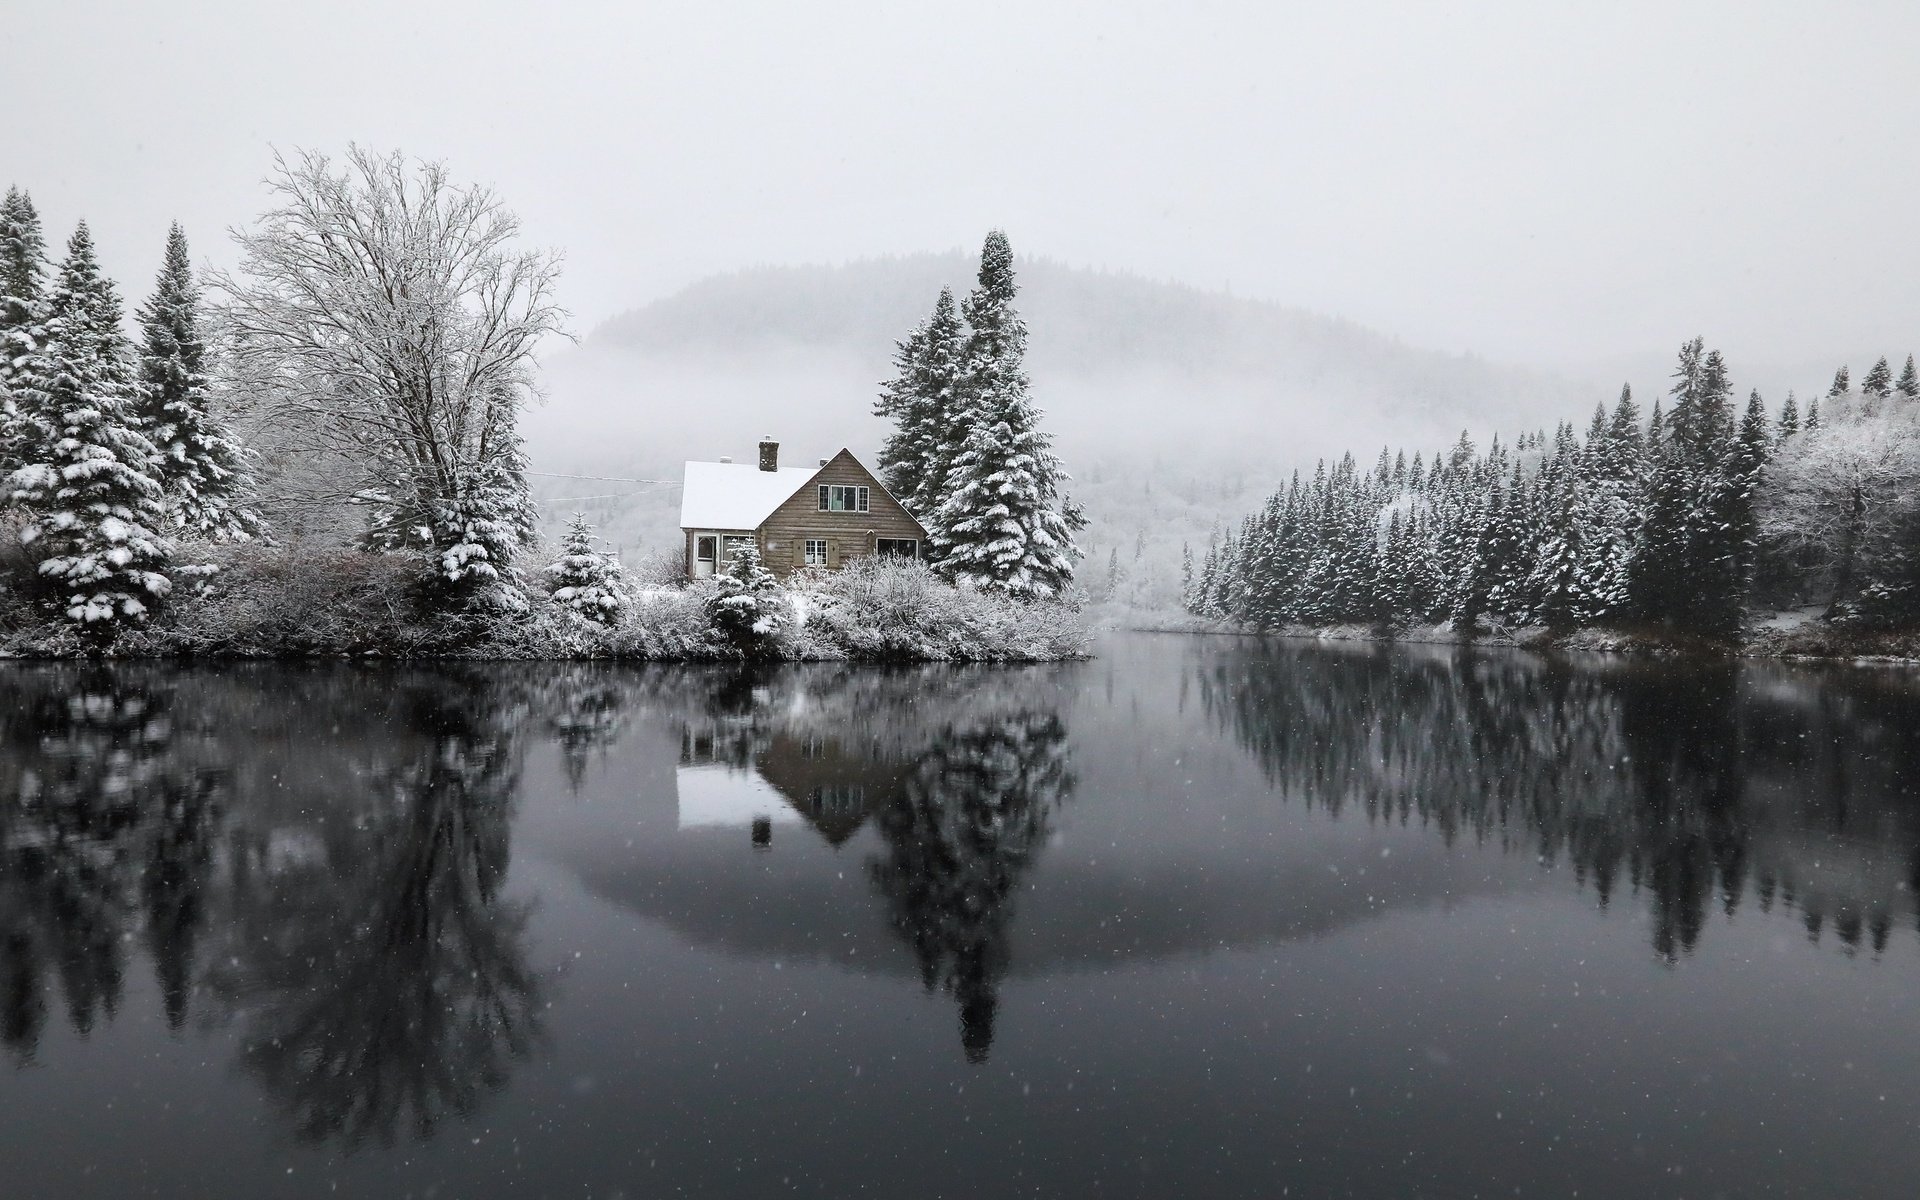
757, 780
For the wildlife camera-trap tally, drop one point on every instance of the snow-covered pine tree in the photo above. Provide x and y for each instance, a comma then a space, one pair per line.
202, 471
23, 256
1813, 415
92, 507
585, 581
920, 400
1003, 525
1789, 417
1878, 381
746, 608
1752, 448
1687, 571
1908, 384
1840, 384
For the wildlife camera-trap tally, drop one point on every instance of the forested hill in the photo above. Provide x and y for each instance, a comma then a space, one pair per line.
1173, 358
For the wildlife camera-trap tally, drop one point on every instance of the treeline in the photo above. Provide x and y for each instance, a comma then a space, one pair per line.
1684, 522
109, 450
967, 456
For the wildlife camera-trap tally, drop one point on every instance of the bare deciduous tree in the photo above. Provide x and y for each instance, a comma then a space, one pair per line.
384, 322
1836, 495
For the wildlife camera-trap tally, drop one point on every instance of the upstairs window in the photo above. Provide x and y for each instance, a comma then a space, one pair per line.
840, 497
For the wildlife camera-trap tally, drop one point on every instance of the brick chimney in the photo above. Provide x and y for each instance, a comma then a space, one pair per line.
769, 454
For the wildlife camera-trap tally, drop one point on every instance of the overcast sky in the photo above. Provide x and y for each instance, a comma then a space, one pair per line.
1535, 182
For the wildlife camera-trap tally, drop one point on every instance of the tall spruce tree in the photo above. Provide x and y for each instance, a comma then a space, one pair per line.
1687, 571
1878, 381
1841, 386
202, 471
921, 400
1003, 525
1789, 417
1908, 384
23, 255
92, 505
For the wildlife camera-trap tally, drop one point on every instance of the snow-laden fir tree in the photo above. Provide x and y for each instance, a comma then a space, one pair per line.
1687, 571
1878, 380
1840, 384
201, 470
1004, 525
1908, 384
92, 506
746, 607
1789, 417
921, 399
22, 280
585, 581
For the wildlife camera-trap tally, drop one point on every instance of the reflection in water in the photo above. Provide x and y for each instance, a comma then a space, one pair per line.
1696, 784
959, 780
360, 935
959, 835
312, 864
107, 820
425, 996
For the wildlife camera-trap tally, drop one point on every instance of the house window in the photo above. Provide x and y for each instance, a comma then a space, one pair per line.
816, 552
840, 497
897, 548
733, 542
706, 547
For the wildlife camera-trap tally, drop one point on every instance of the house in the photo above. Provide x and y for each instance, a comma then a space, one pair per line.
822, 516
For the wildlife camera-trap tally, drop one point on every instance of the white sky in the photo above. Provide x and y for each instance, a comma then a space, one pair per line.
1542, 182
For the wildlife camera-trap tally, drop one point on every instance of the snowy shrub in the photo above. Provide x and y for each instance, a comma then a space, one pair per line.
879, 608
746, 607
584, 581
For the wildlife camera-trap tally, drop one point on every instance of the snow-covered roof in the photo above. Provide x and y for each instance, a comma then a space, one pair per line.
736, 495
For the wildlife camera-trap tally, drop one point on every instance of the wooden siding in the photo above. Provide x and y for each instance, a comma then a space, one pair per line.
849, 535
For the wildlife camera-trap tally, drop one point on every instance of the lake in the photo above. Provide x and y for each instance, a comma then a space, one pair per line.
1201, 917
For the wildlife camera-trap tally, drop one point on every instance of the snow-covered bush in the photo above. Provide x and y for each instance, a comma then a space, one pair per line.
878, 608
746, 607
584, 581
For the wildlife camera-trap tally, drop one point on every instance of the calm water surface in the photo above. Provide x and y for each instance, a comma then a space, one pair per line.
1204, 917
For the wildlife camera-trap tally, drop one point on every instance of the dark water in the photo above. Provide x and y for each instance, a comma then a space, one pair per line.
1201, 918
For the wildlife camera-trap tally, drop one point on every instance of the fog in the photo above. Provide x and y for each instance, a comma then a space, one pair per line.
1555, 185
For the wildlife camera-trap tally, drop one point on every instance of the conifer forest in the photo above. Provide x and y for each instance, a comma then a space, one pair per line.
1693, 519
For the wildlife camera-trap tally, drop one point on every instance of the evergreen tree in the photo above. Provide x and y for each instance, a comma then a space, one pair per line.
22, 275
1813, 415
1879, 380
1687, 571
1840, 384
1909, 382
201, 471
920, 400
1003, 524
92, 505
1789, 417
746, 608
584, 581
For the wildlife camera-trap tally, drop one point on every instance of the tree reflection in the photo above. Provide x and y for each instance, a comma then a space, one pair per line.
1638, 774
959, 837
384, 982
349, 895
99, 800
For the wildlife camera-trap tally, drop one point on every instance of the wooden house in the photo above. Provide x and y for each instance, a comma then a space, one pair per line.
822, 516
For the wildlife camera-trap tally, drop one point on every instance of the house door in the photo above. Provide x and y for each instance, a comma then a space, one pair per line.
706, 551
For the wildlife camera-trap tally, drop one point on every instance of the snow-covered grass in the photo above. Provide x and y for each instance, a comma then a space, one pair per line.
268, 602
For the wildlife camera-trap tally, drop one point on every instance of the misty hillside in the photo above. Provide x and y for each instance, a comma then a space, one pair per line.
1212, 397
